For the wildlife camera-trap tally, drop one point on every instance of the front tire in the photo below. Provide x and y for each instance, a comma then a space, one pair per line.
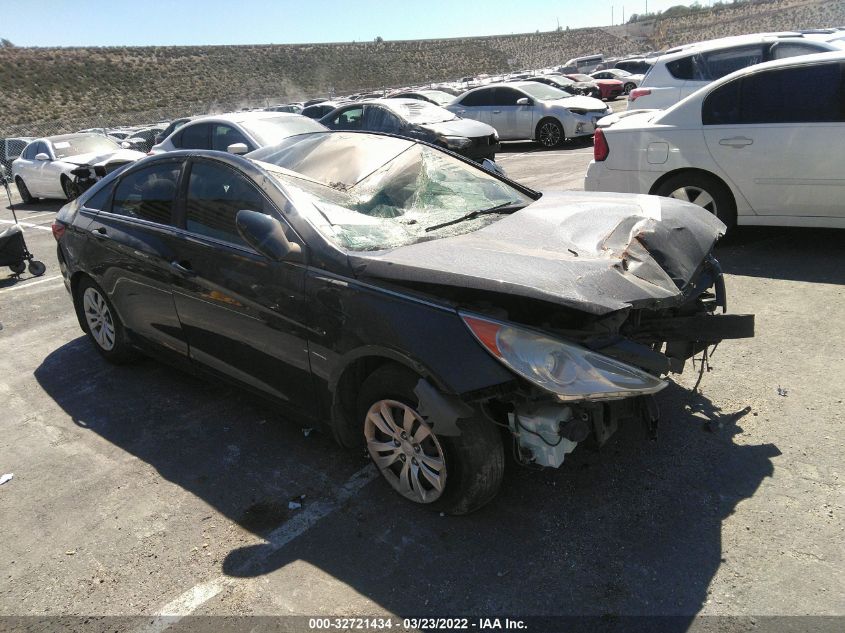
627, 88
101, 323
550, 133
451, 474
703, 190
26, 197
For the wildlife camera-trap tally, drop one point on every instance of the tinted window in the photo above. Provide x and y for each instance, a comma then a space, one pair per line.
721, 107
506, 96
478, 98
224, 135
349, 119
42, 148
100, 200
215, 195
382, 120
681, 68
808, 94
29, 153
193, 137
148, 193
717, 64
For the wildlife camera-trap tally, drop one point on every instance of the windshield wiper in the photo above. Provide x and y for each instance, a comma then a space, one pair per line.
499, 208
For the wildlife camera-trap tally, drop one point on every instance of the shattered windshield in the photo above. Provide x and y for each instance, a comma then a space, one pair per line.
420, 112
385, 195
65, 146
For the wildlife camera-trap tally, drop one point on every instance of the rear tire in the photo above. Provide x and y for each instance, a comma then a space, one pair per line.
627, 88
26, 197
705, 191
471, 464
101, 323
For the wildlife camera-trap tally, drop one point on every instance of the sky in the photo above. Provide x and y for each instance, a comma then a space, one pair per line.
192, 22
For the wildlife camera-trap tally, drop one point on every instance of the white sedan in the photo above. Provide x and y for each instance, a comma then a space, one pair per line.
527, 110
760, 146
44, 168
237, 132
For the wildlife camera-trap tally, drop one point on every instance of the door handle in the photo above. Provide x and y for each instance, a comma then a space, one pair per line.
736, 141
497, 111
183, 268
100, 233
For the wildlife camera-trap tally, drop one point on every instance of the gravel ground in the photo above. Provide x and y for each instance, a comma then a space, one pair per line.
140, 490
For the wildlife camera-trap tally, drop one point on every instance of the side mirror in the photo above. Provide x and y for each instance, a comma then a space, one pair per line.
265, 235
42, 156
237, 148
523, 101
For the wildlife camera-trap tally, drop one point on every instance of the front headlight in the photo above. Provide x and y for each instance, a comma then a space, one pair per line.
456, 142
570, 371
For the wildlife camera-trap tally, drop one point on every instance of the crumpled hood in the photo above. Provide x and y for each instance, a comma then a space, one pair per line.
101, 158
460, 127
594, 252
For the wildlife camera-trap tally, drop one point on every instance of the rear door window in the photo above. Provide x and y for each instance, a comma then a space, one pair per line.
349, 119
478, 98
148, 193
193, 137
215, 195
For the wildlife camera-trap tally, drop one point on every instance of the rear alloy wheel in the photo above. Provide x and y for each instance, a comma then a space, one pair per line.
26, 197
451, 473
629, 87
550, 133
702, 190
102, 324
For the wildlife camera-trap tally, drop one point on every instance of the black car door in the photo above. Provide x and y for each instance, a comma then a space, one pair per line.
244, 316
128, 250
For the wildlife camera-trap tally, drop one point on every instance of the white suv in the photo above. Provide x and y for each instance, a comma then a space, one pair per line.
760, 146
681, 71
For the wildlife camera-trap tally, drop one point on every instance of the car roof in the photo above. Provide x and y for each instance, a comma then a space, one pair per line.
243, 117
728, 42
67, 137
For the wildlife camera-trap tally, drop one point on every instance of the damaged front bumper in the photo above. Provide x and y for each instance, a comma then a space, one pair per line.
547, 422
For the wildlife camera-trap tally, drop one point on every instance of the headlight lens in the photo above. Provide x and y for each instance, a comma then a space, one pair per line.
456, 142
570, 371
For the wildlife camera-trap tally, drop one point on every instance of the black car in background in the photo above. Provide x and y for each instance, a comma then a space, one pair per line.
400, 297
417, 119
587, 89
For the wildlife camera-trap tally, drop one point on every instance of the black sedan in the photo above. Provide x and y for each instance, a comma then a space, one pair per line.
400, 297
417, 119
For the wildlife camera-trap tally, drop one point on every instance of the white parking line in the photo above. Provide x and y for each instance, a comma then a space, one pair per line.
185, 604
29, 284
28, 225
36, 215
